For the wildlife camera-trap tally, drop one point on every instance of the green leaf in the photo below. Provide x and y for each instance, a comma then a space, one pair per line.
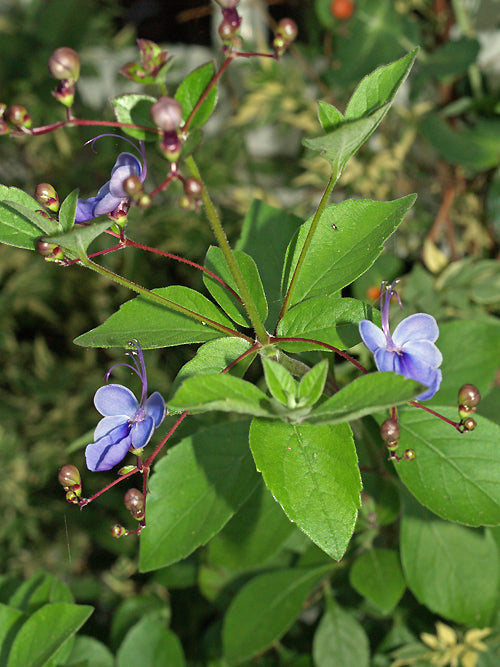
312, 384
450, 569
221, 392
150, 644
67, 211
329, 116
456, 475
130, 611
264, 609
78, 239
214, 357
451, 59
279, 381
312, 472
45, 632
368, 105
190, 91
195, 490
327, 319
340, 640
339, 254
365, 395
90, 651
253, 535
157, 326
136, 109
20, 224
493, 202
377, 576
10, 621
265, 236
465, 345
216, 262
39, 590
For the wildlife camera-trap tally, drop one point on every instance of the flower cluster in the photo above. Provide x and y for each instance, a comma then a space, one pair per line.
127, 424
410, 351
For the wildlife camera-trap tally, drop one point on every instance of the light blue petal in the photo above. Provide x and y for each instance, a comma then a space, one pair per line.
103, 191
108, 451
107, 424
433, 388
141, 432
372, 336
385, 360
420, 326
155, 407
116, 182
130, 161
424, 350
115, 399
107, 204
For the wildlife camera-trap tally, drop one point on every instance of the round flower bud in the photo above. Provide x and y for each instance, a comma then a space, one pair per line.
134, 502
45, 194
132, 185
469, 396
287, 28
410, 454
64, 63
69, 476
227, 31
118, 531
228, 4
193, 188
167, 114
44, 248
144, 201
469, 424
18, 116
390, 431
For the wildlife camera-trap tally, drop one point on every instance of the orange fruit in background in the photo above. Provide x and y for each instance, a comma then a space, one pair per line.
342, 9
373, 293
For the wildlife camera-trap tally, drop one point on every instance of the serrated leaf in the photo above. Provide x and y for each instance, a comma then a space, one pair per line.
456, 475
136, 109
67, 211
190, 91
452, 570
264, 609
312, 472
216, 262
194, 492
78, 239
327, 319
157, 326
45, 631
265, 235
340, 640
377, 576
348, 239
226, 393
279, 381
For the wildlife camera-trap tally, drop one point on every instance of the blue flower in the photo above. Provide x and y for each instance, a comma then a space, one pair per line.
410, 351
127, 423
112, 195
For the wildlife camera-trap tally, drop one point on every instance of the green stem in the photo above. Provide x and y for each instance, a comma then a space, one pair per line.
220, 235
308, 241
160, 300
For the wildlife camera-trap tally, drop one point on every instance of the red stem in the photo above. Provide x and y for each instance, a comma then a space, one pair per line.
45, 129
85, 501
278, 339
457, 425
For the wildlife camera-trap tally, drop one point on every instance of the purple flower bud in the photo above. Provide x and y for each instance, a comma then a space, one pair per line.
64, 64
127, 423
410, 350
167, 114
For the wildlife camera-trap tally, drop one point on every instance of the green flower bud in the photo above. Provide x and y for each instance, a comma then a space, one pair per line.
64, 64
72, 497
45, 194
19, 117
171, 146
69, 476
126, 469
134, 502
167, 114
118, 531
410, 454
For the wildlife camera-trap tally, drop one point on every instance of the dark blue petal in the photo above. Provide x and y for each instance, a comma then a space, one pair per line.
130, 161
107, 204
416, 369
155, 407
85, 209
115, 399
109, 450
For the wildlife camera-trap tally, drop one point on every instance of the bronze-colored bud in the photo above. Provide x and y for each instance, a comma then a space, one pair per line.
132, 185
389, 431
134, 502
45, 194
287, 28
469, 424
167, 114
193, 188
227, 30
69, 476
469, 396
44, 248
18, 116
64, 64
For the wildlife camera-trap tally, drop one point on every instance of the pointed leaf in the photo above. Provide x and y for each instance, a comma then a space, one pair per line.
78, 239
377, 576
279, 381
312, 472
20, 224
216, 262
67, 211
150, 644
195, 490
340, 640
157, 326
456, 475
312, 384
136, 109
190, 91
221, 392
365, 395
329, 116
264, 609
340, 253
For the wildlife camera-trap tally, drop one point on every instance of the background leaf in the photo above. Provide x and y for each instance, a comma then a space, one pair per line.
377, 576
150, 644
136, 109
190, 91
340, 641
